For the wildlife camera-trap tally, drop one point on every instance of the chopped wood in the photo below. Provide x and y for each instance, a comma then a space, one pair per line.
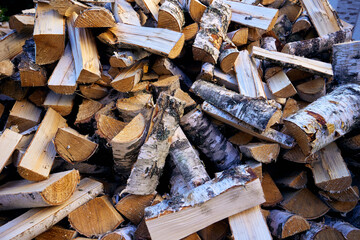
67, 7
130, 107
83, 47
218, 230
6, 68
321, 231
108, 127
95, 217
312, 90
185, 97
348, 231
199, 129
36, 163
9, 140
169, 213
287, 60
272, 193
168, 84
126, 144
149, 6
38, 96
133, 206
240, 138
302, 23
341, 206
190, 31
282, 28
87, 110
256, 167
24, 115
49, 34
292, 9
95, 17
171, 16
193, 236
123, 59
304, 203
326, 126
261, 152
41, 219
63, 104
196, 9
297, 75
26, 194
128, 77
22, 22
11, 87
239, 37
291, 107
280, 85
159, 41
249, 224
228, 55
63, 78
228, 80
126, 233
322, 16
350, 194
57, 232
93, 91
124, 13
11, 44
296, 180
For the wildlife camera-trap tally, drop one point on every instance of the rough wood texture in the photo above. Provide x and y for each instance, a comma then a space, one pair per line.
67, 7
49, 34
24, 115
126, 80
63, 104
6, 68
302, 23
312, 90
36, 163
22, 22
261, 152
95, 17
8, 143
95, 217
348, 231
168, 214
146, 172
123, 59
83, 47
11, 44
87, 109
124, 13
108, 127
321, 231
125, 233
190, 31
57, 232
149, 6
171, 16
38, 220
235, 104
26, 194
228, 55
93, 91
272, 193
295, 180
239, 37
130, 107
168, 84
280, 85
210, 140
328, 118
218, 230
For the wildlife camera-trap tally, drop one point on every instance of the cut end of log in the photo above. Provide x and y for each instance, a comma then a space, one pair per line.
300, 136
31, 175
176, 50
95, 17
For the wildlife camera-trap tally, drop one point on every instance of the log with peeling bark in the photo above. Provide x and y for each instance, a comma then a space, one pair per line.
146, 171
186, 160
261, 152
49, 34
126, 144
312, 90
213, 27
171, 16
67, 7
287, 60
346, 64
321, 231
36, 163
22, 22
72, 146
204, 134
86, 59
63, 104
123, 59
126, 80
130, 107
41, 219
314, 46
24, 115
57, 232
159, 41
235, 104
95, 217
348, 231
167, 84
283, 224
163, 220
63, 78
95, 17
124, 13
329, 118
9, 140
239, 37
125, 233
26, 194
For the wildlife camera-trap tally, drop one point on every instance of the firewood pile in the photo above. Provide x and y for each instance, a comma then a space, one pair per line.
188, 119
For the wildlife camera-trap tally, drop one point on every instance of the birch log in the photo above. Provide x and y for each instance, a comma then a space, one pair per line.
146, 171
228, 55
326, 119
213, 27
210, 140
125, 13
254, 111
171, 16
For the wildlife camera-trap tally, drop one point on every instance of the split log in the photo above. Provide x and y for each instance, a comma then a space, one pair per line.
11, 44
6, 68
128, 77
36, 225
67, 7
270, 134
292, 9
159, 41
57, 232
163, 219
185, 97
83, 47
22, 146
345, 62
201, 131
283, 224
126, 144
256, 167
125, 233
95, 17
171, 16
11, 87
302, 23
108, 127
49, 34
291, 107
190, 31
282, 28
239, 37
314, 46
294, 180
196, 9
207, 72
24, 115
22, 23
253, 16
168, 85
36, 163
187, 161
146, 172
322, 15
304, 203
312, 90
140, 88
248, 78
72, 146
123, 59
149, 6
228, 55
280, 85
261, 152
8, 143
272, 193
348, 195
329, 169
341, 206
38, 96
63, 104
130, 107
124, 13
321, 231
348, 231
218, 230
287, 60
228, 80
232, 103
25, 194
249, 224
269, 43
177, 182
133, 206
87, 109
296, 155
255, 34
213, 27
95, 217
326, 127
240, 138
297, 75
93, 91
